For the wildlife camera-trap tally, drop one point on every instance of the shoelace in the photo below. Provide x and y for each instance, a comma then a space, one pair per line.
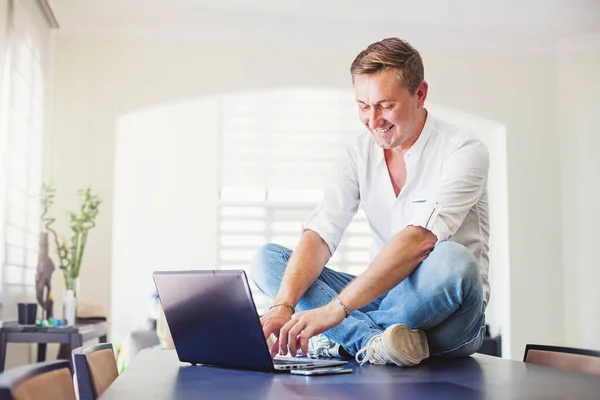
375, 352
320, 347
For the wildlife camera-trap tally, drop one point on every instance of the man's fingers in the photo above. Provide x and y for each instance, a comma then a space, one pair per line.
274, 349
304, 339
268, 329
283, 337
293, 337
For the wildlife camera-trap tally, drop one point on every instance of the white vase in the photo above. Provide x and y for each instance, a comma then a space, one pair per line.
69, 305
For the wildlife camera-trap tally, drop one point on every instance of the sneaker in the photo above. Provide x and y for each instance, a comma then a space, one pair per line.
398, 345
320, 346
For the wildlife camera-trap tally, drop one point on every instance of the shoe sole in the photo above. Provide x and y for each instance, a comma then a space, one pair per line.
409, 346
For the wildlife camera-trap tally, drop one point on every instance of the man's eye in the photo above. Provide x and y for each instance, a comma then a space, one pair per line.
364, 108
387, 106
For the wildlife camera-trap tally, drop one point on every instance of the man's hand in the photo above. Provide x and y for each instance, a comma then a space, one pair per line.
304, 325
274, 320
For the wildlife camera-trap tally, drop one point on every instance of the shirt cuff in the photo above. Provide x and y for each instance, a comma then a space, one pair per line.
428, 217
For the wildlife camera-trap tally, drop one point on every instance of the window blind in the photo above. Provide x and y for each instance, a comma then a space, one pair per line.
22, 112
277, 150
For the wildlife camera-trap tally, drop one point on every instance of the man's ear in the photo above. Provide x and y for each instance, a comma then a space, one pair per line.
422, 93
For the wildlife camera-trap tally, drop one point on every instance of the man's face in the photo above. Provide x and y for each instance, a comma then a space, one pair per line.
387, 108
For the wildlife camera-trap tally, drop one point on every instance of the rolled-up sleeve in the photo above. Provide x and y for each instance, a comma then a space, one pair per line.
464, 177
339, 204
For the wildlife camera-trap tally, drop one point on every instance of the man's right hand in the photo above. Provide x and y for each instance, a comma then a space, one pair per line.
272, 322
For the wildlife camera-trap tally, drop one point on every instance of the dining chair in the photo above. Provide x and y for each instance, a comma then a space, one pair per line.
565, 358
95, 370
49, 380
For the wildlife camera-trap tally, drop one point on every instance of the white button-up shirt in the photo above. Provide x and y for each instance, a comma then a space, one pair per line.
445, 192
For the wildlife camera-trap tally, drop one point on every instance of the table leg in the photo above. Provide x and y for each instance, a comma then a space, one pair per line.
2, 350
41, 356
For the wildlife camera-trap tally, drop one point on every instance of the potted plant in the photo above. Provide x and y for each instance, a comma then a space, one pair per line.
70, 253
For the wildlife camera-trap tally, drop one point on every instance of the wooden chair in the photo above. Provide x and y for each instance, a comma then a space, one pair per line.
95, 370
565, 358
50, 380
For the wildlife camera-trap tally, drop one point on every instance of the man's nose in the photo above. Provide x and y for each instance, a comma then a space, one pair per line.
375, 120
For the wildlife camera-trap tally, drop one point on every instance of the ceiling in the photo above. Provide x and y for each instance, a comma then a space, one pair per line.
519, 26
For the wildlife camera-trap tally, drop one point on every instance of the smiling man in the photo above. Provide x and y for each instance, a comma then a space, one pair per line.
423, 186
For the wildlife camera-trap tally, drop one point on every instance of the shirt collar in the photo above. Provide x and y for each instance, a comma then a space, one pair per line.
417, 148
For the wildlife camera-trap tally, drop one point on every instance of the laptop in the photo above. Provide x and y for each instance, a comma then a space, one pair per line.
213, 321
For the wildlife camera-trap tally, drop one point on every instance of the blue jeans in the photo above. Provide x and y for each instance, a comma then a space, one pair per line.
443, 297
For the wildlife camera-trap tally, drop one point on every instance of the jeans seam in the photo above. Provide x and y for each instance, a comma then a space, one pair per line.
462, 344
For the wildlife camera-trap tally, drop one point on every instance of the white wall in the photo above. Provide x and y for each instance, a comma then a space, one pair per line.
165, 198
579, 124
98, 82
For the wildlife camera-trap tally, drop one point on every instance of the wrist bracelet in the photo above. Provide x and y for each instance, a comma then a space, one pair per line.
291, 307
343, 306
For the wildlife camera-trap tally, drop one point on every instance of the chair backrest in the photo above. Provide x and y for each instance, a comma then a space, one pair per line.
95, 369
565, 358
42, 381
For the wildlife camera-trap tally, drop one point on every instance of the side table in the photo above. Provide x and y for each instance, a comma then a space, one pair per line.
72, 335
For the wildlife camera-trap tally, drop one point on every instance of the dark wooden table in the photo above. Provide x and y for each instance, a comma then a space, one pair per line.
158, 375
11, 332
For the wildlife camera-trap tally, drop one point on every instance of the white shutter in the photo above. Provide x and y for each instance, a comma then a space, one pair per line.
277, 149
21, 133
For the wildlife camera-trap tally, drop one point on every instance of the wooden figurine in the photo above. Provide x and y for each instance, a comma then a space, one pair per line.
43, 278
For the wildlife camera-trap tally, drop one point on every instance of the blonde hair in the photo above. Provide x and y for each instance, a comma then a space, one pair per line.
395, 54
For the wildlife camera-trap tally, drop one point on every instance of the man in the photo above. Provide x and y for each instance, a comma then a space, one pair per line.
423, 186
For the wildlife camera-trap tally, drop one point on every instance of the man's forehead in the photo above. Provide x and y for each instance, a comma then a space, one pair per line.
377, 87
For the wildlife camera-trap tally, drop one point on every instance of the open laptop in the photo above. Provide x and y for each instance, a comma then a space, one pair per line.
213, 320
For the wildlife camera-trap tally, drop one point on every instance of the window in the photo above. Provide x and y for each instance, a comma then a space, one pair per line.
21, 133
277, 148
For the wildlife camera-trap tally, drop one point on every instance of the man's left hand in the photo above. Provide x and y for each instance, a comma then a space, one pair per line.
304, 325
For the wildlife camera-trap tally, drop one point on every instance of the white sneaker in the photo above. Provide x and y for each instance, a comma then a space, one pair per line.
320, 346
398, 345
